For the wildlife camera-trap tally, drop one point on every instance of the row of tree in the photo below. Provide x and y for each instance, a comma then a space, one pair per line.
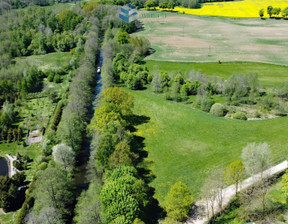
238, 90
274, 12
150, 4
52, 197
256, 159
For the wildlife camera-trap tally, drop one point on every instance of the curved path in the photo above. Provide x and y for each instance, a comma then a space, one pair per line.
200, 214
12, 169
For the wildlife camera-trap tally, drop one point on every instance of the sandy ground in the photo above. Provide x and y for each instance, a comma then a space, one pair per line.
12, 169
209, 39
200, 216
36, 139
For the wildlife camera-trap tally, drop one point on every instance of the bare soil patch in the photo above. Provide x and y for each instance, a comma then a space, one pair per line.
210, 39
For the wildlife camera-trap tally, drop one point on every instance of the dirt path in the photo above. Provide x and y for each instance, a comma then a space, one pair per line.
12, 169
200, 215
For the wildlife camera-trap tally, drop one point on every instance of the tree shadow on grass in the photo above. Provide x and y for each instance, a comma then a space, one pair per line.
135, 120
153, 211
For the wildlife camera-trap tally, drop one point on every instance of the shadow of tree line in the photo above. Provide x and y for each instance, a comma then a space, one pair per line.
153, 211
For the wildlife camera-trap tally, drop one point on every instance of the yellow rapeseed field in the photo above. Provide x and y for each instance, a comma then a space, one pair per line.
243, 9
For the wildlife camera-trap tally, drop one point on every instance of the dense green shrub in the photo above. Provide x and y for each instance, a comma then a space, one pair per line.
57, 116
240, 115
205, 102
57, 78
42, 166
218, 110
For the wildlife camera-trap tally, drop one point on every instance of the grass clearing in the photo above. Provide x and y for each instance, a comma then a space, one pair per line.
186, 144
36, 112
186, 38
269, 75
242, 9
51, 60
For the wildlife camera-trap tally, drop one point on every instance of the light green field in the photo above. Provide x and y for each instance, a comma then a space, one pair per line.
8, 218
268, 74
51, 60
186, 38
185, 144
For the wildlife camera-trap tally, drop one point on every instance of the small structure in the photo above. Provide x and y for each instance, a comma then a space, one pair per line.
128, 13
34, 136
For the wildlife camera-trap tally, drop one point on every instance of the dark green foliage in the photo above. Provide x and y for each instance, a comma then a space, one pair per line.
57, 79
123, 38
68, 20
240, 116
54, 189
123, 195
108, 141
269, 10
22, 162
134, 76
72, 126
57, 115
276, 11
11, 198
165, 79
189, 89
37, 31
261, 13
27, 205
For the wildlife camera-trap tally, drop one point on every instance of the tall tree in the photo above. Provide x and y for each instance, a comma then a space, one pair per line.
269, 10
54, 190
178, 202
64, 155
257, 159
235, 174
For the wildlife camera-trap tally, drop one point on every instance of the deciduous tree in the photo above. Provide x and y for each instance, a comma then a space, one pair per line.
178, 202
235, 174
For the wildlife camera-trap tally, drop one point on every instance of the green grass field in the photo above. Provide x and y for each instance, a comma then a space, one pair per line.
56, 59
186, 144
268, 74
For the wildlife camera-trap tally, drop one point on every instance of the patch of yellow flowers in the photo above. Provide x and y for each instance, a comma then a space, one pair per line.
240, 9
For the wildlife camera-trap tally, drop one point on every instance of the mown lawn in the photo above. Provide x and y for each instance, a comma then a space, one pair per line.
268, 74
185, 144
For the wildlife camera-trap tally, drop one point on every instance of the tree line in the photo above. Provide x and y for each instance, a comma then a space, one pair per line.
151, 4
38, 31
6, 5
52, 196
237, 90
274, 12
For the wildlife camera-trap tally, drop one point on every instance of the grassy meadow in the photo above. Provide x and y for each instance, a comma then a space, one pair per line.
269, 75
51, 60
241, 9
184, 144
186, 38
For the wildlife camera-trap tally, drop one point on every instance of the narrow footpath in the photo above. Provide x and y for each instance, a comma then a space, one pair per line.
200, 215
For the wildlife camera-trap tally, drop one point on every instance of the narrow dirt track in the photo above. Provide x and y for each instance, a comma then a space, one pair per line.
200, 215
